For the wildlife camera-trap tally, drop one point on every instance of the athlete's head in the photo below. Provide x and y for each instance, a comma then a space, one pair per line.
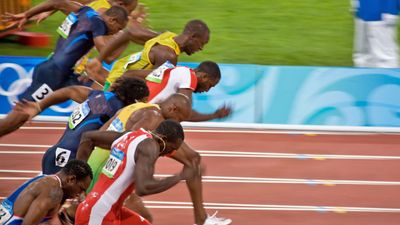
130, 90
76, 178
171, 133
197, 34
208, 75
116, 19
128, 5
176, 107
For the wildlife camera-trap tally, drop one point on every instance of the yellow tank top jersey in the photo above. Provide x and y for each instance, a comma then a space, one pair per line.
141, 60
96, 5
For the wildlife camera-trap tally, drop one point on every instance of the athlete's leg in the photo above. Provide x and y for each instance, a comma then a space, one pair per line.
189, 157
135, 203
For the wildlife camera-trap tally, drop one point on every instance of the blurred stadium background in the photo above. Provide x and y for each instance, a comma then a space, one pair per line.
268, 32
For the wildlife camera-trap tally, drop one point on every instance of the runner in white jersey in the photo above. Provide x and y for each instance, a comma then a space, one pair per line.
167, 80
129, 167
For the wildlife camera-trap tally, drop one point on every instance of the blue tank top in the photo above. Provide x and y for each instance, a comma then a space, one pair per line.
89, 115
83, 27
7, 216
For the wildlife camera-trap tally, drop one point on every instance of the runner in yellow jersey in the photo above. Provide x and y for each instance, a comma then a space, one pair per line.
165, 47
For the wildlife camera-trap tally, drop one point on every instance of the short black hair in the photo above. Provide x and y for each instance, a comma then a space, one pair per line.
211, 69
78, 168
196, 27
127, 2
171, 130
118, 12
130, 89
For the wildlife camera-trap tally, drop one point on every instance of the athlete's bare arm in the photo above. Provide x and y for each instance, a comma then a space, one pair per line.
89, 140
158, 55
63, 5
134, 32
26, 110
76, 93
146, 155
221, 112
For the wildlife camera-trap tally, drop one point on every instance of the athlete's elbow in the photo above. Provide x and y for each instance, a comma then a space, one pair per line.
141, 190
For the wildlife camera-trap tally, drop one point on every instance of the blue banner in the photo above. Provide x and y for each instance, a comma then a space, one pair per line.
267, 94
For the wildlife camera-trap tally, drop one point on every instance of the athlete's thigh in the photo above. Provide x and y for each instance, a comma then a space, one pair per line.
46, 79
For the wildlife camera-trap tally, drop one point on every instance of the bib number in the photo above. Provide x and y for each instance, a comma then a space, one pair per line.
62, 157
41, 92
158, 74
113, 162
5, 214
65, 28
133, 58
116, 125
78, 115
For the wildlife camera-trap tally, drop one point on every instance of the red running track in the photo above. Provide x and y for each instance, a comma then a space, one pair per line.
258, 178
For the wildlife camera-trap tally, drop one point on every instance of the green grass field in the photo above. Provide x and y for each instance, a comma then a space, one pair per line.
269, 32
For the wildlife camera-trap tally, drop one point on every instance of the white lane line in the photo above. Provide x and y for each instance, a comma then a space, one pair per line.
337, 209
259, 207
22, 152
249, 180
306, 130
25, 145
213, 153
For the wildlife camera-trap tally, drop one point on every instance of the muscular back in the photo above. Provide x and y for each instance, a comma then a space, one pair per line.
43, 195
147, 118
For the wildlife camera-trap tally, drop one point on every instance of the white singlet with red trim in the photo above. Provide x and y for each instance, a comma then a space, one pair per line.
173, 80
116, 181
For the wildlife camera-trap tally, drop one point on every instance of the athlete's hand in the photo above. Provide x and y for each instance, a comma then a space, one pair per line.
139, 15
27, 107
223, 112
42, 16
15, 19
93, 68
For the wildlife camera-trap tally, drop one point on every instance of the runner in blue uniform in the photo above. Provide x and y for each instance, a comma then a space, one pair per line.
82, 30
40, 198
96, 108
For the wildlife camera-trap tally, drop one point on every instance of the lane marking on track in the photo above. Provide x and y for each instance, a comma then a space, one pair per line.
250, 180
212, 153
306, 132
337, 209
260, 207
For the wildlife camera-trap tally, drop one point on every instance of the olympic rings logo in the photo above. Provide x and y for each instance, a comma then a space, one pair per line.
19, 85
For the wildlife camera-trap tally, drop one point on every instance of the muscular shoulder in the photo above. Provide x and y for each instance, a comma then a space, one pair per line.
46, 189
162, 53
148, 148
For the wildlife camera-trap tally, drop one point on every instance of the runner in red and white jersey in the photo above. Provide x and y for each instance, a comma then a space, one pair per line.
130, 167
165, 81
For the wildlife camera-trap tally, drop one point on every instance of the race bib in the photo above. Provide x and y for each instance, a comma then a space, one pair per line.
62, 157
5, 213
113, 162
116, 125
41, 92
158, 74
78, 115
133, 58
65, 27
